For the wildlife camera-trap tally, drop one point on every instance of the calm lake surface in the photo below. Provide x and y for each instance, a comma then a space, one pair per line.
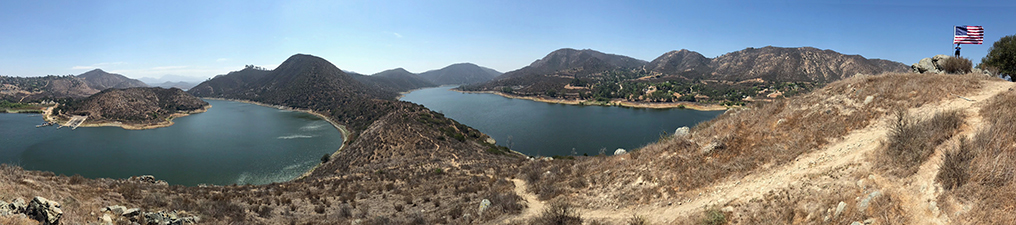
230, 143
537, 128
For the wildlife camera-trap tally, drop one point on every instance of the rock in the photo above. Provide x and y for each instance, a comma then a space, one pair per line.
861, 206
709, 147
105, 220
728, 209
44, 210
490, 140
923, 66
860, 184
869, 221
839, 209
856, 223
131, 212
620, 151
156, 219
868, 99
17, 206
681, 132
5, 209
115, 209
938, 60
147, 179
930, 65
484, 204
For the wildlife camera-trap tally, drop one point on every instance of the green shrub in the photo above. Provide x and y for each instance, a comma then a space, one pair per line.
1002, 55
714, 216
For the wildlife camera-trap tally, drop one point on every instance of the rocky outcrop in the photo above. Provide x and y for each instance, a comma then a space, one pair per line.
620, 151
930, 65
40, 209
44, 210
135, 215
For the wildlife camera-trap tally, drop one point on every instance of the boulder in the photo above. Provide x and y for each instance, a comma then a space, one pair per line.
105, 220
115, 209
839, 209
44, 210
930, 65
681, 132
156, 218
620, 151
861, 206
5, 208
131, 212
923, 66
484, 204
17, 206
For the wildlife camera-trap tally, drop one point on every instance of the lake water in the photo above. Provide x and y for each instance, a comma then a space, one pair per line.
537, 128
230, 143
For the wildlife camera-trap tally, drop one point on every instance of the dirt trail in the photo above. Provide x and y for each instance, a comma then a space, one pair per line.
849, 151
533, 204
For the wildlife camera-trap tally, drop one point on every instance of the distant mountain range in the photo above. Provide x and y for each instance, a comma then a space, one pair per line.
394, 80
80, 86
593, 74
400, 80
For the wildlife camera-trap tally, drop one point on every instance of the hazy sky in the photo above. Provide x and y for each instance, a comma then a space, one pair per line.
207, 38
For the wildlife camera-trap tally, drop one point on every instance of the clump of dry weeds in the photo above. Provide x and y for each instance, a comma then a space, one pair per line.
981, 172
912, 141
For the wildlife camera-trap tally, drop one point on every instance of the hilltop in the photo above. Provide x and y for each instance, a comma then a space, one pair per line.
763, 74
30, 89
394, 80
460, 73
101, 80
130, 108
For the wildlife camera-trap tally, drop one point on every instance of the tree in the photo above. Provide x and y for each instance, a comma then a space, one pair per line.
1002, 55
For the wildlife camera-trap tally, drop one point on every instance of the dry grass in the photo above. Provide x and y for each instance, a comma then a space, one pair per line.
912, 141
957, 65
19, 219
558, 213
762, 135
982, 171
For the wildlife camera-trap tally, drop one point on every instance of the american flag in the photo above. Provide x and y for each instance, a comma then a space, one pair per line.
969, 35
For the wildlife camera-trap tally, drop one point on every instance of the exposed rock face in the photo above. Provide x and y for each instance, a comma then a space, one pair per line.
133, 105
930, 65
796, 64
44, 210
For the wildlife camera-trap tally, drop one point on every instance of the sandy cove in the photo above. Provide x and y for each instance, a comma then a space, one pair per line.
653, 105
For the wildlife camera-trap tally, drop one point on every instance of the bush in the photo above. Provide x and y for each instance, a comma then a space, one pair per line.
714, 216
955, 169
325, 158
635, 219
558, 213
957, 65
911, 142
1002, 55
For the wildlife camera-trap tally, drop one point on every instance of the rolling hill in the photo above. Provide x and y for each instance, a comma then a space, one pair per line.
460, 73
394, 80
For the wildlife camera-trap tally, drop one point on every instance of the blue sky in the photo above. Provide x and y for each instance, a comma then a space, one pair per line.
207, 38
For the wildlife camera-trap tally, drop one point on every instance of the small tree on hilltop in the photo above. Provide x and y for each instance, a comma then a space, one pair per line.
1002, 55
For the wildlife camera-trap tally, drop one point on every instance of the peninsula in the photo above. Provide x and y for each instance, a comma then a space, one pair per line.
131, 108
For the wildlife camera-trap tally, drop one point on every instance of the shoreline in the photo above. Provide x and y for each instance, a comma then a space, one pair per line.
342, 129
666, 105
49, 117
